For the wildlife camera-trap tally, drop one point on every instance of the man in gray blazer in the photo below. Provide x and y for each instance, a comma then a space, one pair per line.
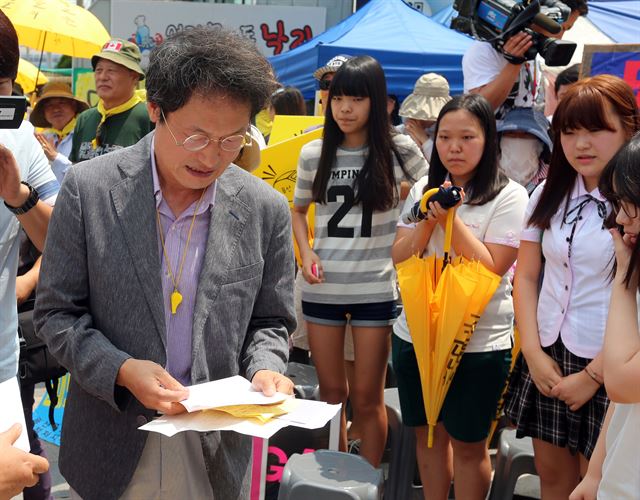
166, 265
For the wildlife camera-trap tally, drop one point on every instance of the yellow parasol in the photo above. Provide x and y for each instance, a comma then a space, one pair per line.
27, 74
56, 26
443, 301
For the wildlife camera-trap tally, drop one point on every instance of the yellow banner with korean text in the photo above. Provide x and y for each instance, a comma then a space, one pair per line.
279, 166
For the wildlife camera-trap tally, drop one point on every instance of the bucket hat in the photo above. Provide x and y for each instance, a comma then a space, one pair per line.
429, 95
331, 67
50, 90
526, 120
249, 156
121, 52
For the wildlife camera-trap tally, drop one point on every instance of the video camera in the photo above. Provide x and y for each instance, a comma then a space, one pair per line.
12, 109
496, 21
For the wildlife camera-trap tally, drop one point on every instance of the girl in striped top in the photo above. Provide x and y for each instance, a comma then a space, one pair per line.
353, 174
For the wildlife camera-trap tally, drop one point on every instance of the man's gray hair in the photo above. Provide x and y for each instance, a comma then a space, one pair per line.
208, 62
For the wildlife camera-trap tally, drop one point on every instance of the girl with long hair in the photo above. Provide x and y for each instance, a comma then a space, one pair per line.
353, 174
485, 228
556, 394
287, 101
614, 471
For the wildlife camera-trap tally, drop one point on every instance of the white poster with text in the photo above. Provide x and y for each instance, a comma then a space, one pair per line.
274, 29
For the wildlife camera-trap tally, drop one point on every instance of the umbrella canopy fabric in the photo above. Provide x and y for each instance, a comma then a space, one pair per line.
442, 308
27, 74
56, 26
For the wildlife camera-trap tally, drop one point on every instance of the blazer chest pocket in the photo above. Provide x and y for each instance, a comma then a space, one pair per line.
244, 273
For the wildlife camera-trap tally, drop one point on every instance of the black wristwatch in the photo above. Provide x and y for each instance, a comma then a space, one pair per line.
31, 201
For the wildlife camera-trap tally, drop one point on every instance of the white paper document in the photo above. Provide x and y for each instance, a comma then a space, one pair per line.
238, 391
12, 411
307, 414
226, 392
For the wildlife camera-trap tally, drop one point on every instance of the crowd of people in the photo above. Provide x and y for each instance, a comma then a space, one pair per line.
166, 263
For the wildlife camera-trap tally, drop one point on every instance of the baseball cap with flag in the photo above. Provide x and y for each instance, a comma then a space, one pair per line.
121, 52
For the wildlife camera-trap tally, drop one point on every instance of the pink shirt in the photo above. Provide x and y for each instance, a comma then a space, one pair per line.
179, 326
574, 298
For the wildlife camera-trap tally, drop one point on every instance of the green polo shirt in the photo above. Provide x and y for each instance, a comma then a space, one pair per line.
119, 131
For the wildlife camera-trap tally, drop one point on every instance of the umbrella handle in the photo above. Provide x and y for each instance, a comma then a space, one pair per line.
448, 232
425, 199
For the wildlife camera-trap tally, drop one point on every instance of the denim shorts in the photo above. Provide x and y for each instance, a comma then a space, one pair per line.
374, 314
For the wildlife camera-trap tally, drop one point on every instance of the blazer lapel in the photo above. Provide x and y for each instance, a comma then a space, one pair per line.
135, 207
228, 219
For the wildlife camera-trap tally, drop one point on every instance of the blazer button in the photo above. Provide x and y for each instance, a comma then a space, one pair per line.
141, 420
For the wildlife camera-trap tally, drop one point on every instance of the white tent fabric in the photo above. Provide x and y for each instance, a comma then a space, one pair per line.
584, 32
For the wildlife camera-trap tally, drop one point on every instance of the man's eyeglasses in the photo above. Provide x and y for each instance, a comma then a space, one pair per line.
631, 214
324, 84
198, 142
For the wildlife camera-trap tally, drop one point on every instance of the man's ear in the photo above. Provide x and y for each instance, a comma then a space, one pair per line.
154, 112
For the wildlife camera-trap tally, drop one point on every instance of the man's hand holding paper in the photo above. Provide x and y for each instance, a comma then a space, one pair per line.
270, 382
152, 386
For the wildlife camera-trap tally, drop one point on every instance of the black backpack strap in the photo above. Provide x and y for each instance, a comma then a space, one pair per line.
52, 390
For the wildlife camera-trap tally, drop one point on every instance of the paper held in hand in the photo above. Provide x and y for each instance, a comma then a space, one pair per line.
233, 404
12, 412
226, 392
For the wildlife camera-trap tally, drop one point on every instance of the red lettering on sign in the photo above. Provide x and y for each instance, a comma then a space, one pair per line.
300, 36
275, 40
274, 474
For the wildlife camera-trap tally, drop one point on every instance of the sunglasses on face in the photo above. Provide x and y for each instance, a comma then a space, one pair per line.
324, 84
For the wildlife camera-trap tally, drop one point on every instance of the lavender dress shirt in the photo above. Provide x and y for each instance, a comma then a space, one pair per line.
175, 231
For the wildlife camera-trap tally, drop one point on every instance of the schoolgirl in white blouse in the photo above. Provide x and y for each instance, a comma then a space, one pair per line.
556, 395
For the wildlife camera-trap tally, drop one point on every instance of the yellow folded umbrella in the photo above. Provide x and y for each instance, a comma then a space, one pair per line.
443, 301
56, 26
27, 74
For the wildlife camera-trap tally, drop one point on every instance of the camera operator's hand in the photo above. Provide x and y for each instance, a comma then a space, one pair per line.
517, 46
11, 191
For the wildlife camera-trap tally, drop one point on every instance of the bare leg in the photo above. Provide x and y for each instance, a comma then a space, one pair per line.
327, 348
435, 464
372, 347
584, 464
559, 471
472, 465
354, 429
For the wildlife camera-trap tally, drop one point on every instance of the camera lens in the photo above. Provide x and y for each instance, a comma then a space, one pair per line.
556, 52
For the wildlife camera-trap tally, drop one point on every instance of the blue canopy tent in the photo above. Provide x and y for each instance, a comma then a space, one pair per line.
445, 16
618, 19
406, 43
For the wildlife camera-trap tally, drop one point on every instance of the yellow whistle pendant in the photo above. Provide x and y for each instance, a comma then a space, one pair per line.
176, 300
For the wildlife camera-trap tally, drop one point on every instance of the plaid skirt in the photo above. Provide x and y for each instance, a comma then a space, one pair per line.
550, 419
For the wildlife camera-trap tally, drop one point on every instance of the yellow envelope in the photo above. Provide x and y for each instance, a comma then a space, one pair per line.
262, 413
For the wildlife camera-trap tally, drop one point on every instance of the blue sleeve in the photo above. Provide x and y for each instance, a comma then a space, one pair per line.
60, 166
